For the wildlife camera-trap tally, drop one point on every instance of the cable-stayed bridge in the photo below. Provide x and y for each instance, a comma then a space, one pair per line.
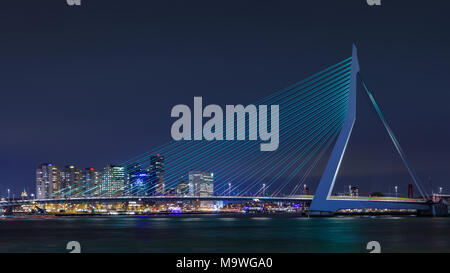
316, 115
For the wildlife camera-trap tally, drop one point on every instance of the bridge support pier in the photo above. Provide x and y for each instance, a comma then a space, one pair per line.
440, 209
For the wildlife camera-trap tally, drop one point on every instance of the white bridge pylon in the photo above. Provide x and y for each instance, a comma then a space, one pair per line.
322, 201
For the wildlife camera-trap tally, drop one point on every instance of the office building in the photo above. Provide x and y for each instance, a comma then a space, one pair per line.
138, 180
92, 179
48, 181
72, 182
156, 173
113, 181
182, 188
201, 183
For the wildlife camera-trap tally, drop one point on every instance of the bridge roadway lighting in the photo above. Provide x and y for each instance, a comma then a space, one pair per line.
8, 193
349, 190
440, 190
229, 189
396, 190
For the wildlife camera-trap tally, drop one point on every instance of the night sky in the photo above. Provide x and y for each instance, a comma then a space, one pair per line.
95, 84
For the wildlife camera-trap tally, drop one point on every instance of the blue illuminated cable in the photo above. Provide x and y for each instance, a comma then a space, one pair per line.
294, 173
340, 72
327, 71
280, 162
192, 147
73, 190
187, 154
209, 154
400, 151
174, 174
315, 146
301, 147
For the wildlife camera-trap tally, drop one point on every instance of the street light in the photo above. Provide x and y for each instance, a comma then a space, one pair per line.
229, 189
264, 189
8, 193
440, 190
349, 190
396, 190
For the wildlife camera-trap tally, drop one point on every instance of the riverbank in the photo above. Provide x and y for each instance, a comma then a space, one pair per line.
302, 214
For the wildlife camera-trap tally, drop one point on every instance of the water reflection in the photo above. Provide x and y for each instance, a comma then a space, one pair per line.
227, 234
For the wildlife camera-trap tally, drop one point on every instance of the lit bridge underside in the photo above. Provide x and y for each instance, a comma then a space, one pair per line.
351, 202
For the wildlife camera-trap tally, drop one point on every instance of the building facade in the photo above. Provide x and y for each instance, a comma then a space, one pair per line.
182, 188
48, 181
354, 191
156, 174
92, 180
113, 182
72, 183
201, 183
137, 180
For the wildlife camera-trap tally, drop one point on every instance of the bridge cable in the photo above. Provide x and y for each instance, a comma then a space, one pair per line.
411, 171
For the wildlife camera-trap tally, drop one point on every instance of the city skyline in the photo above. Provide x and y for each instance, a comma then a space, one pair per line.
54, 182
181, 188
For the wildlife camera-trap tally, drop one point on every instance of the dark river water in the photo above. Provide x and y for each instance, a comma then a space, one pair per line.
225, 234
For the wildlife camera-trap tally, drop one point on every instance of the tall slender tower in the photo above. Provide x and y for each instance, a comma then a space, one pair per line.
157, 174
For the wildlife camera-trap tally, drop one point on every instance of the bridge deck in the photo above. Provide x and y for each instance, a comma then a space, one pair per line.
298, 198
